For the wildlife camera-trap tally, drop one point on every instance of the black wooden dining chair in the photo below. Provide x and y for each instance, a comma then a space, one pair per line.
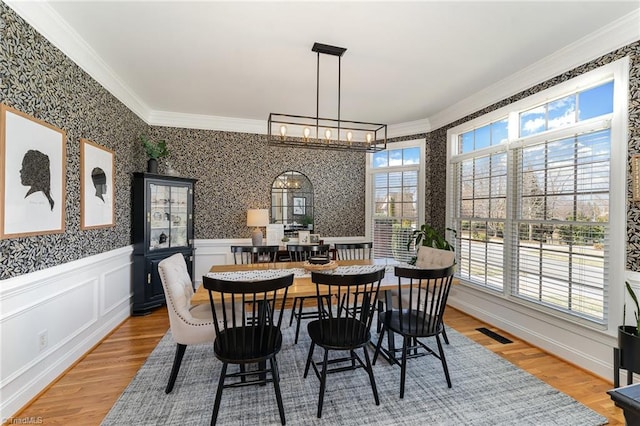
339, 330
300, 253
251, 334
243, 255
354, 251
418, 315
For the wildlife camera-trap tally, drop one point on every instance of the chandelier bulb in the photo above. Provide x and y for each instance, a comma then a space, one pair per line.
306, 132
283, 130
369, 137
349, 136
327, 134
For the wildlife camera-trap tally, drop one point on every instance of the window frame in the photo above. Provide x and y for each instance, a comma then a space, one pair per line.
616, 256
369, 181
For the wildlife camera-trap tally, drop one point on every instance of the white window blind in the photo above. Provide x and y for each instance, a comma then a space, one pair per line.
531, 201
395, 176
482, 188
561, 222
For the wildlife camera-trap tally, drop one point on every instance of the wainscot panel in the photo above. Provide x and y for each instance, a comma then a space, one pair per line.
50, 318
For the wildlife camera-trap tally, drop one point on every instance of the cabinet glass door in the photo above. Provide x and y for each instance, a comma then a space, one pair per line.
168, 216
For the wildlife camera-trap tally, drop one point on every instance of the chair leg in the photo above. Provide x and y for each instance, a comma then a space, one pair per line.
276, 386
378, 346
371, 379
216, 405
403, 366
323, 381
243, 378
444, 361
177, 360
380, 308
306, 368
293, 310
444, 334
299, 320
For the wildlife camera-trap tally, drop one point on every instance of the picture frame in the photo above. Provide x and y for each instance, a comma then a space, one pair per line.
97, 186
32, 175
314, 239
303, 237
299, 205
635, 177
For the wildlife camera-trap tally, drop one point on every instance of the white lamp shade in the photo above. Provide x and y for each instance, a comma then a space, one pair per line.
257, 217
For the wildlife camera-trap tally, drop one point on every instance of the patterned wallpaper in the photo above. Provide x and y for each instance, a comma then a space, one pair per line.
39, 80
235, 170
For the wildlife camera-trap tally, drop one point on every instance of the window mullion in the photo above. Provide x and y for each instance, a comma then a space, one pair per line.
510, 260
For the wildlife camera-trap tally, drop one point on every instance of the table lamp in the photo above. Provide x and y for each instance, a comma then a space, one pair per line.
257, 218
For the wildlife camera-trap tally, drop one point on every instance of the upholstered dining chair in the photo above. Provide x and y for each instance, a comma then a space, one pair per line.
418, 315
190, 324
339, 329
254, 254
300, 253
250, 334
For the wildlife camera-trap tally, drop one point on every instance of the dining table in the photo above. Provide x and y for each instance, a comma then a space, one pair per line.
302, 285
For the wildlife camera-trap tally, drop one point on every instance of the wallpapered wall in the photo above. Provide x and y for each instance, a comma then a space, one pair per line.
437, 141
39, 80
235, 170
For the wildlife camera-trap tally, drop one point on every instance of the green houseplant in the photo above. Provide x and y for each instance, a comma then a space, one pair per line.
635, 300
627, 354
154, 150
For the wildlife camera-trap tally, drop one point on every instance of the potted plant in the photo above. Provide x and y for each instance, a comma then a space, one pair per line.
627, 355
427, 236
306, 221
154, 151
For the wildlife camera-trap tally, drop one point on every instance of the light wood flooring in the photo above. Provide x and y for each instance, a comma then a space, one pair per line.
85, 392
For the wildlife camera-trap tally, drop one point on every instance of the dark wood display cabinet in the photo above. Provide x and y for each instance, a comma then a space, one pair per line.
162, 222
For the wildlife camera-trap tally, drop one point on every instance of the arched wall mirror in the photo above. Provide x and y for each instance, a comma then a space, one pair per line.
292, 202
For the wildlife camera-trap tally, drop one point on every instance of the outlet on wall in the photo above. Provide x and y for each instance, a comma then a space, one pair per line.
43, 340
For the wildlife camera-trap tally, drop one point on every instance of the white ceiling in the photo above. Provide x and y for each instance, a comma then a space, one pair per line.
209, 63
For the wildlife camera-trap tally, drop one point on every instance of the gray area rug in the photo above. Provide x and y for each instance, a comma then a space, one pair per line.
487, 390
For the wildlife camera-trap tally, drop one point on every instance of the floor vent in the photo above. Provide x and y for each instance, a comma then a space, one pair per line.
494, 335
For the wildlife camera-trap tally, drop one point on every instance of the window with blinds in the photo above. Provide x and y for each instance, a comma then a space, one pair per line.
396, 177
530, 202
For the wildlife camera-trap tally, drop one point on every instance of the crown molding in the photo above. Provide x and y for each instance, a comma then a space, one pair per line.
207, 122
47, 22
408, 128
41, 16
619, 33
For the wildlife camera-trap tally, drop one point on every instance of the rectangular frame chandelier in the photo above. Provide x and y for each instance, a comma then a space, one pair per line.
326, 133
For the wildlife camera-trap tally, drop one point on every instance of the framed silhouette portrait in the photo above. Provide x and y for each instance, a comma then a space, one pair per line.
32, 175
97, 186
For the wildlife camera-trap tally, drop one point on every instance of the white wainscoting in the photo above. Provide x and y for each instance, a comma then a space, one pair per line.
585, 346
74, 305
